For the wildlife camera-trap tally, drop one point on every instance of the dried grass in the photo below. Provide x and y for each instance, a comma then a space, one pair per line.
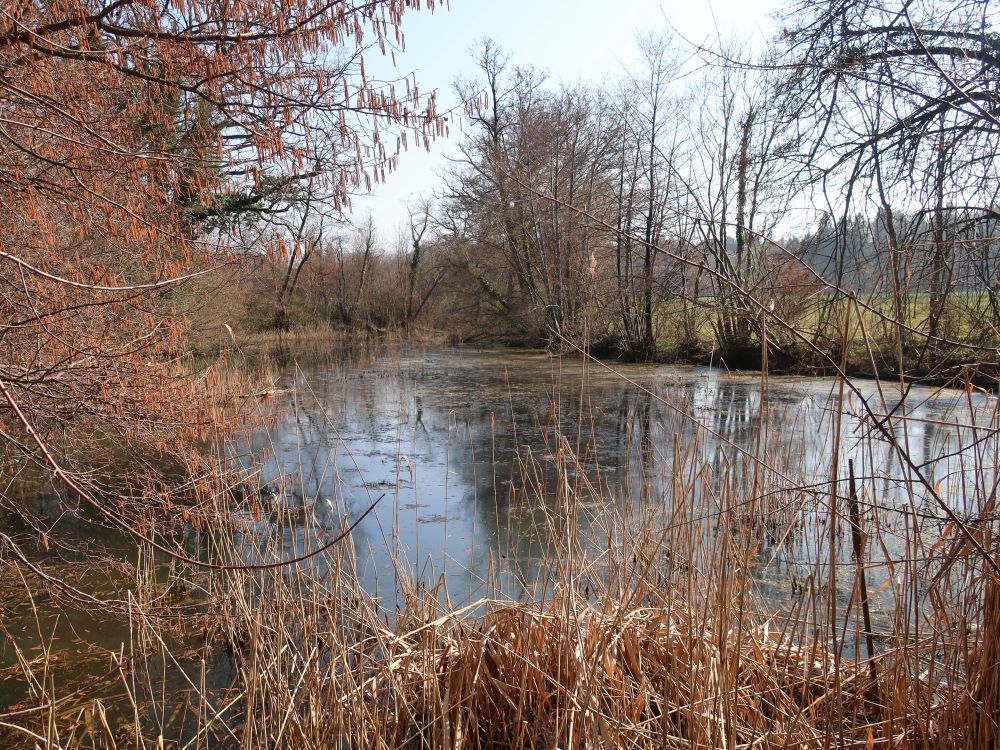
659, 638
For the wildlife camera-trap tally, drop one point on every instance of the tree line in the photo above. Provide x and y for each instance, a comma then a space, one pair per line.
713, 209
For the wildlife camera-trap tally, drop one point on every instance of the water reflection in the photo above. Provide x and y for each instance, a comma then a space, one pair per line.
465, 446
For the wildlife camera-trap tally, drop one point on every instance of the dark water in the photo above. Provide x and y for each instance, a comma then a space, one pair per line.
468, 449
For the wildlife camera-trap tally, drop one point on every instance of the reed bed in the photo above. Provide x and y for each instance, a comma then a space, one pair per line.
627, 666
576, 674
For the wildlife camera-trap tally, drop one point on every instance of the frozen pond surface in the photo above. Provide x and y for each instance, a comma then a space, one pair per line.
464, 445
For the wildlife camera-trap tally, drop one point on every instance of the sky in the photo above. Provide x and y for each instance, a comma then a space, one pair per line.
574, 40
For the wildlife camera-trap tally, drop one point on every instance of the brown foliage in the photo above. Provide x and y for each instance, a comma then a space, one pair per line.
132, 134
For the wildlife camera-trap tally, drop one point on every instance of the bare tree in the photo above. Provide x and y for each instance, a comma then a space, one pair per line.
419, 215
902, 102
648, 136
735, 186
532, 255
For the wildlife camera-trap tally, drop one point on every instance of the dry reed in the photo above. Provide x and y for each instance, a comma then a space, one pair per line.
651, 633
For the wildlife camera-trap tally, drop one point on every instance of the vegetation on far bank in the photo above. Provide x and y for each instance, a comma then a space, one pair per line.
686, 215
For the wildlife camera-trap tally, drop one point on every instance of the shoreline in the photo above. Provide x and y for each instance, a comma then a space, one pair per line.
785, 361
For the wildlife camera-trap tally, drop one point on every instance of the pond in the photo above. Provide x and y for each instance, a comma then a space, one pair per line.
478, 455
468, 449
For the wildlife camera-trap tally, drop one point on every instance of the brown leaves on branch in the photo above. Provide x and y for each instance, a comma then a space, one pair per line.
130, 132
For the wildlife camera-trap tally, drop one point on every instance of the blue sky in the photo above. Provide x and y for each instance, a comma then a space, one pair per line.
575, 40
